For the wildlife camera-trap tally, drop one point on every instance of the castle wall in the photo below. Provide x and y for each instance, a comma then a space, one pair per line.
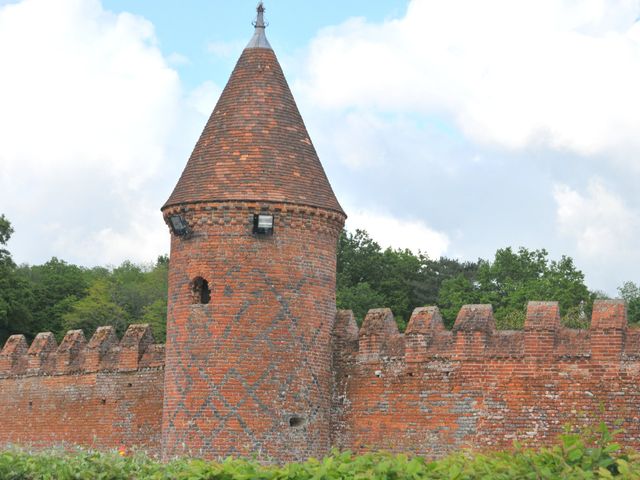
103, 394
432, 391
428, 391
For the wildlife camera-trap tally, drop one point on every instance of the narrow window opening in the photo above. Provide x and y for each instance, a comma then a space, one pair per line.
200, 291
296, 421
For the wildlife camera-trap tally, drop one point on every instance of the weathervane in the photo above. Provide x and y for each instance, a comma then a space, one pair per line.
259, 21
259, 39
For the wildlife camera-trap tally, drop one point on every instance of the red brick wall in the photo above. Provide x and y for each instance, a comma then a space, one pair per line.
431, 391
101, 394
428, 391
257, 357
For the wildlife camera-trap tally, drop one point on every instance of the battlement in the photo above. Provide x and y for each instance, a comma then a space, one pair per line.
433, 390
474, 335
74, 355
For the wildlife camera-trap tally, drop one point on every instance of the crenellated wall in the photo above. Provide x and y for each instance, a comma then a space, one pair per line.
427, 391
102, 394
430, 391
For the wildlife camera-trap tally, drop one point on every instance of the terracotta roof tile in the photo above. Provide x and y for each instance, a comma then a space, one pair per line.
255, 145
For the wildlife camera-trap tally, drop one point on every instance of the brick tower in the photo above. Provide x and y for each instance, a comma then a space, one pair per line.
254, 226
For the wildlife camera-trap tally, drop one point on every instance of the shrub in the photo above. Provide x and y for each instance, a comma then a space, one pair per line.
590, 454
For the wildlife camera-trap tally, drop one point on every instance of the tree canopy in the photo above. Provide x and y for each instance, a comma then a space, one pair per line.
631, 293
57, 296
15, 293
515, 277
370, 277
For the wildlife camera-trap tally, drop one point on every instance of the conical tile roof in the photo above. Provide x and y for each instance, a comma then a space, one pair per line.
255, 146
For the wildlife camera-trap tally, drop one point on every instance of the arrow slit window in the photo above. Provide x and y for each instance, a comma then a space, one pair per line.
200, 291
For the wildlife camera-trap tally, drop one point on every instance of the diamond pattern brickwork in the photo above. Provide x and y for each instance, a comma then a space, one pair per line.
241, 367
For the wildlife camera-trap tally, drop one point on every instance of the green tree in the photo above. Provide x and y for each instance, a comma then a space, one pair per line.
403, 274
359, 298
155, 311
435, 272
127, 294
15, 294
370, 277
137, 286
358, 258
58, 296
56, 286
358, 273
514, 278
155, 314
454, 293
6, 230
96, 309
630, 292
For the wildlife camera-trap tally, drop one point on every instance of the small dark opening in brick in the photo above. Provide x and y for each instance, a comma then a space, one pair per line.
30, 404
129, 384
103, 401
200, 291
296, 421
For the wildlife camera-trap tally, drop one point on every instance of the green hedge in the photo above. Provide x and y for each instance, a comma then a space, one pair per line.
588, 455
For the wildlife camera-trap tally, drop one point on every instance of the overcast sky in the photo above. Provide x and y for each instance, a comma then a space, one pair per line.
453, 127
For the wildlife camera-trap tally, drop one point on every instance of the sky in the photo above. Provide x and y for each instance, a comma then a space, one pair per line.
452, 128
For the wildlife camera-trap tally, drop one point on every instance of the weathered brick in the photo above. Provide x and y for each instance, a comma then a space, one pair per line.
259, 363
493, 388
250, 371
66, 396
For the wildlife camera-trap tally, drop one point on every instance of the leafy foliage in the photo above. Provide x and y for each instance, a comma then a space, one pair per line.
370, 277
14, 291
631, 293
55, 286
590, 455
512, 279
97, 308
58, 296
359, 298
124, 295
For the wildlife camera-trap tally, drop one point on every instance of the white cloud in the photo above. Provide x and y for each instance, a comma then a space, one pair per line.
90, 110
599, 221
177, 59
225, 49
204, 97
604, 228
144, 239
557, 73
390, 231
76, 81
95, 128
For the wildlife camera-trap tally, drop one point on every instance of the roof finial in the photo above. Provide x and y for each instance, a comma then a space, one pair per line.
259, 40
259, 22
